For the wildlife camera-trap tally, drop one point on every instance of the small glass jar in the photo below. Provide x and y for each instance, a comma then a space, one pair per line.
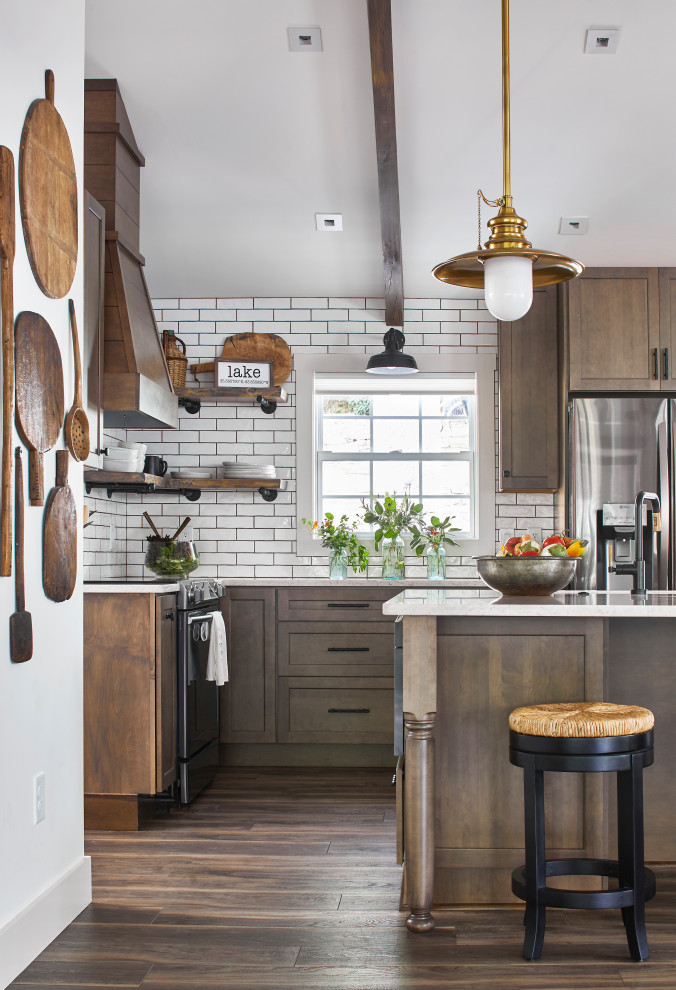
394, 561
436, 562
169, 559
337, 565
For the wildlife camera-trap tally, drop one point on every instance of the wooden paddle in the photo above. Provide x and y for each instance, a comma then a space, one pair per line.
7, 247
20, 623
76, 427
59, 536
39, 394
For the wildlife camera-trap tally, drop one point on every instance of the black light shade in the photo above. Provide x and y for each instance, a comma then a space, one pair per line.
392, 361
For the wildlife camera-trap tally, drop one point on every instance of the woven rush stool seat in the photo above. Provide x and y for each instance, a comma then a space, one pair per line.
584, 737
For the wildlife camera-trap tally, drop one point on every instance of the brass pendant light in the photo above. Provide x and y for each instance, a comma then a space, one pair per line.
507, 266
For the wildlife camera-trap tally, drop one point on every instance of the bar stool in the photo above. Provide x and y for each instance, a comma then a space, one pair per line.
584, 737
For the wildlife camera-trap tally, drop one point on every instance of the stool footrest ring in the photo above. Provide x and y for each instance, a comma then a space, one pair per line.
589, 899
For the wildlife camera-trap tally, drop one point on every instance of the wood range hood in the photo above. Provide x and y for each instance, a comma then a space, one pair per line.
137, 390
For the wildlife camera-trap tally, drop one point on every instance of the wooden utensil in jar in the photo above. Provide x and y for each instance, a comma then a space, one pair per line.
152, 525
20, 623
48, 195
181, 528
59, 536
39, 394
7, 249
76, 427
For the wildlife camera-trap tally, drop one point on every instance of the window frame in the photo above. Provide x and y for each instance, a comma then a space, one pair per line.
482, 366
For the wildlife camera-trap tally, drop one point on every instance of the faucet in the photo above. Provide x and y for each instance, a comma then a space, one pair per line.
637, 567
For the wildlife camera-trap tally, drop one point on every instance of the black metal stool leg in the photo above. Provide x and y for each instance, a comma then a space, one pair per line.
630, 855
535, 873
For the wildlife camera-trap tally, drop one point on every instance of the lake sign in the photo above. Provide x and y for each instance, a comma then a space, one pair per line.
243, 374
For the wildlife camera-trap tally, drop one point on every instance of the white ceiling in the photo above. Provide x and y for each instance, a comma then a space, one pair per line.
245, 141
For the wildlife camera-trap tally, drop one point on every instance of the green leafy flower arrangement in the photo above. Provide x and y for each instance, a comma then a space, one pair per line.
391, 517
433, 534
340, 536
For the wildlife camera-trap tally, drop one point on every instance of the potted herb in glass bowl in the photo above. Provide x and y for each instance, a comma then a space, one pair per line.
341, 539
433, 537
391, 517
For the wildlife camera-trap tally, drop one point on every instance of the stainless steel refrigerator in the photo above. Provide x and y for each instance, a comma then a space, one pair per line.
618, 446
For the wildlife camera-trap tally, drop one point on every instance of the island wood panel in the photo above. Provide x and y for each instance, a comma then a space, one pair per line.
166, 702
354, 648
335, 710
641, 671
485, 669
529, 397
247, 711
614, 329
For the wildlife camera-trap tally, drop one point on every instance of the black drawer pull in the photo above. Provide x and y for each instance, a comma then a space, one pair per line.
348, 649
348, 605
656, 365
349, 711
666, 362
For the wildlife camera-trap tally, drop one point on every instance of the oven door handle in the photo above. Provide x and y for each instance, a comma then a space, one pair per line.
207, 617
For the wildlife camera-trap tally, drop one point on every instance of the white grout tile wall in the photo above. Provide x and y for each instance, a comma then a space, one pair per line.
237, 534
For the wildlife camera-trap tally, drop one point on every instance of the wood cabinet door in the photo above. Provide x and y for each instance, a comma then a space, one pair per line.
667, 277
248, 699
166, 714
529, 397
614, 330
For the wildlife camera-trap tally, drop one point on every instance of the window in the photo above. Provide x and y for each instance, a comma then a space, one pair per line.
384, 436
432, 435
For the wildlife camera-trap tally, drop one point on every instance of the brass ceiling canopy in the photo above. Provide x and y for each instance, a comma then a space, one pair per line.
507, 238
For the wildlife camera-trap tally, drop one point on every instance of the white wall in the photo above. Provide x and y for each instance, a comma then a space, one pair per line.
237, 534
45, 875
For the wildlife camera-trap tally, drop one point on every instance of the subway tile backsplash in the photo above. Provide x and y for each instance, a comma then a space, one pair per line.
237, 534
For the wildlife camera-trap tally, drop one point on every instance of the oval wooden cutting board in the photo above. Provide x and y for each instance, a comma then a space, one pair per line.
59, 536
261, 347
48, 195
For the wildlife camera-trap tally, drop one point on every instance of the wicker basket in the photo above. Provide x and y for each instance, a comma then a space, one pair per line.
177, 362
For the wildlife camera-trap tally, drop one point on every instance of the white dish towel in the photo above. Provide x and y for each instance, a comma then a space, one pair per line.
217, 660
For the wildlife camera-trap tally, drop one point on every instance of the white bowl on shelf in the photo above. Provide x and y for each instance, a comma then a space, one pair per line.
191, 473
122, 454
116, 464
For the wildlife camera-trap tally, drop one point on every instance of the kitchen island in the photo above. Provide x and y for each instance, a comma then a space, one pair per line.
467, 663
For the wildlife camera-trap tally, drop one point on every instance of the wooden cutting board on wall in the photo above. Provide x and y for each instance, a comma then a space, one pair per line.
255, 347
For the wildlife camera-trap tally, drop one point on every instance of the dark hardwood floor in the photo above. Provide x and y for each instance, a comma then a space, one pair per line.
281, 879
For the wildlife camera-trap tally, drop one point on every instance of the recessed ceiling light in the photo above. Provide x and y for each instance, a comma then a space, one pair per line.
601, 41
305, 39
329, 221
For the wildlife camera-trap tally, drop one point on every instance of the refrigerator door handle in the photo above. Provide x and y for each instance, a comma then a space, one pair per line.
665, 505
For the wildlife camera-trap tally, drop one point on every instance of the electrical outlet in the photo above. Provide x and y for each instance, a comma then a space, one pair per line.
38, 798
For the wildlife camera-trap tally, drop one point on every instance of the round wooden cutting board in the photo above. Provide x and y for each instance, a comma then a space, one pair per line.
261, 347
48, 195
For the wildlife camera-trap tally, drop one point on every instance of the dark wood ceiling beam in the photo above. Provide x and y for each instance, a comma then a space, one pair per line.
382, 73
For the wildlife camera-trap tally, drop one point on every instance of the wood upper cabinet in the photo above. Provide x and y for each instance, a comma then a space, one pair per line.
130, 708
529, 397
667, 278
616, 332
247, 709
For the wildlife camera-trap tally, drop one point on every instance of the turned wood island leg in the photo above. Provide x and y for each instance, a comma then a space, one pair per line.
420, 702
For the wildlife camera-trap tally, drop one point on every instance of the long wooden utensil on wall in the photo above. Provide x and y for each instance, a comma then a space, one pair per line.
39, 394
76, 428
20, 623
7, 248
48, 195
59, 536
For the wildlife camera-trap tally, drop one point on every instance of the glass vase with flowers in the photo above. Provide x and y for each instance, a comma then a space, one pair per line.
341, 540
433, 536
392, 516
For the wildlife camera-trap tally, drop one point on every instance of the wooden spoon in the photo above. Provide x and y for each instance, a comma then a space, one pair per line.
152, 525
76, 428
7, 246
180, 528
20, 623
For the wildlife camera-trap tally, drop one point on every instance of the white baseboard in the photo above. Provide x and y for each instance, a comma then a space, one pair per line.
40, 922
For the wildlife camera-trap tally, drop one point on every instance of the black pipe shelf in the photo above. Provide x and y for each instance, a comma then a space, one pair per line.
190, 488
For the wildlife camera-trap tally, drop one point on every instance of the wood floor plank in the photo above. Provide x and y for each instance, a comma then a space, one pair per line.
285, 879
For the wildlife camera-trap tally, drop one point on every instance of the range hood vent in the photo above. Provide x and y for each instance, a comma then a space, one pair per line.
137, 390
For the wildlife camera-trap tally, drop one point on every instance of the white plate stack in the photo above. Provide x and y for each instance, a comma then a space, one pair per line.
126, 456
238, 469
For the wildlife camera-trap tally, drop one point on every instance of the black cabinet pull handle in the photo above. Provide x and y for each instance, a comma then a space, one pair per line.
656, 364
348, 605
348, 649
349, 711
506, 474
170, 616
666, 362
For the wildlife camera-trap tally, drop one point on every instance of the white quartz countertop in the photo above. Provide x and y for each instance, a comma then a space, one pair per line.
575, 604
317, 582
147, 588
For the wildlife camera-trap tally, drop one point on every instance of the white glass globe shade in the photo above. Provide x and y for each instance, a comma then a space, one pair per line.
508, 286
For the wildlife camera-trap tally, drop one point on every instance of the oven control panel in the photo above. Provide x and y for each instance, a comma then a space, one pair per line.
198, 591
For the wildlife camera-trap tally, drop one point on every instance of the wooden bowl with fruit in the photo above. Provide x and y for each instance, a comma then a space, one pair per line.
523, 567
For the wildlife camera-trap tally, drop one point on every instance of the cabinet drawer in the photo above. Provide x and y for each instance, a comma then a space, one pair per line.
359, 604
362, 649
335, 710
